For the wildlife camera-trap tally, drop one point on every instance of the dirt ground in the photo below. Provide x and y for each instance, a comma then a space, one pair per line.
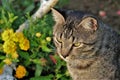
107, 10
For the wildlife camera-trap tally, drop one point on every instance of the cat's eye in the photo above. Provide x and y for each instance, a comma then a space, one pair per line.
78, 44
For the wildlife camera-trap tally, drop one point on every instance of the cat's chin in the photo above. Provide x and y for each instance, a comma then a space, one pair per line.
80, 63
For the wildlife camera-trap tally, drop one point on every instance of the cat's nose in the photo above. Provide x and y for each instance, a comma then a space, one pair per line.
65, 53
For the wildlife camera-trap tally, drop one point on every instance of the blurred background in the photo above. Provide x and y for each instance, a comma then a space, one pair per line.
107, 10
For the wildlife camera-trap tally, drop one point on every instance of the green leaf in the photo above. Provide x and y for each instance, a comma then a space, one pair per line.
29, 8
36, 61
2, 64
12, 17
46, 49
24, 55
15, 60
27, 62
38, 70
33, 55
49, 77
4, 17
59, 76
7, 5
65, 78
34, 43
2, 57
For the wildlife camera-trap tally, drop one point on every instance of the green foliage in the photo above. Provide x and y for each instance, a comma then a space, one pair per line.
6, 19
18, 7
40, 59
61, 3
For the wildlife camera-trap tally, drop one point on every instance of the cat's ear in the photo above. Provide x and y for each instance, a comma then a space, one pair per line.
89, 23
58, 17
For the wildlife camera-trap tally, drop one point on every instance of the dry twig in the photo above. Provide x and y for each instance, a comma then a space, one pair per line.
45, 6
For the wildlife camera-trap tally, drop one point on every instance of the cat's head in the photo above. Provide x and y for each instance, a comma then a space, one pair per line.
74, 33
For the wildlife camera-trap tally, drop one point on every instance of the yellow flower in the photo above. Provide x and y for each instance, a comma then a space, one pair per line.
1, 70
20, 72
18, 37
48, 39
24, 45
14, 55
38, 34
7, 61
6, 35
9, 47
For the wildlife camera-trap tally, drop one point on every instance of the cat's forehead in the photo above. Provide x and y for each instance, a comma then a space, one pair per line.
71, 15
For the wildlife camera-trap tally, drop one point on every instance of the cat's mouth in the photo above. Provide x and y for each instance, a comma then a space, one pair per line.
78, 63
64, 57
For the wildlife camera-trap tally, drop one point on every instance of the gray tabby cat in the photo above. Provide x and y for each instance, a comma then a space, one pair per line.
90, 48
